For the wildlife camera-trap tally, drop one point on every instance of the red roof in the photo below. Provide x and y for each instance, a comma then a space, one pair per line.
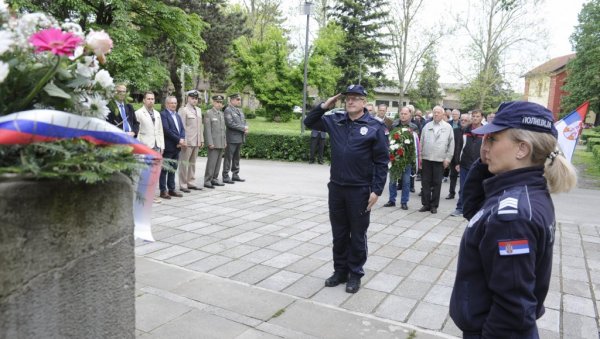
551, 66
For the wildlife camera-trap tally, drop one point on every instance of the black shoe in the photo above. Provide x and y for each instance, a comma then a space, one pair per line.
311, 162
404, 207
216, 183
336, 279
320, 162
353, 284
433, 210
194, 188
175, 194
236, 178
412, 190
228, 181
389, 204
207, 185
424, 209
450, 196
421, 193
185, 190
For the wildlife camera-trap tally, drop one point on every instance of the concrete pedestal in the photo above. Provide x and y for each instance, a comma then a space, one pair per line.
67, 265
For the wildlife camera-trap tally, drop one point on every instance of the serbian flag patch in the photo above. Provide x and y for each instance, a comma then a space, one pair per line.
513, 247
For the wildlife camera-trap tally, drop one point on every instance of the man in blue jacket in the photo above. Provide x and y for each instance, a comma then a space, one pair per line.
359, 160
174, 133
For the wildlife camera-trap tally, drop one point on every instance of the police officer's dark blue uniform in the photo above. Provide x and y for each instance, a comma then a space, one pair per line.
505, 256
359, 159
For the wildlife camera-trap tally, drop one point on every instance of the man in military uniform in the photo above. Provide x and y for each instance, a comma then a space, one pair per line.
191, 115
214, 137
359, 165
235, 135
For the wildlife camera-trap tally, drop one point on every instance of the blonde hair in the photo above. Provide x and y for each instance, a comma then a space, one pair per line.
560, 174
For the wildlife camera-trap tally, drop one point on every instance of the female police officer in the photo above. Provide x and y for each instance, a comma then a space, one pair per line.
505, 256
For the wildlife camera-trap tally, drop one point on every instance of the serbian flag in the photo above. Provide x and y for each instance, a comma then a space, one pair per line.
46, 125
569, 129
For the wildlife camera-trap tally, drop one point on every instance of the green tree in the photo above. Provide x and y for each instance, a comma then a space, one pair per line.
363, 49
486, 91
428, 88
152, 39
263, 14
583, 82
262, 65
322, 72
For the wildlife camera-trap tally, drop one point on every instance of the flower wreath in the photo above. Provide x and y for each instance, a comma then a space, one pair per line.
402, 151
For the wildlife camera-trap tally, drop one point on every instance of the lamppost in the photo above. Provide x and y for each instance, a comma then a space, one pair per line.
308, 6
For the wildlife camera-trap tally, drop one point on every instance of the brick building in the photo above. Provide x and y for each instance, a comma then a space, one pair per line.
543, 84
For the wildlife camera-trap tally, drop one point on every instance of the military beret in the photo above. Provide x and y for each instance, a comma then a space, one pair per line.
218, 97
193, 93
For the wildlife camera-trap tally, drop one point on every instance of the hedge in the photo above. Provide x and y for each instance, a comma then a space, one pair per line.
586, 136
277, 147
596, 153
591, 142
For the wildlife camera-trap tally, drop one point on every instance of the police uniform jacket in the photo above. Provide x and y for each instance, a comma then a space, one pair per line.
214, 128
505, 258
359, 148
192, 122
236, 123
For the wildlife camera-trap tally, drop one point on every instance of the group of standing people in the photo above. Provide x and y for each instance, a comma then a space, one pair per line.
505, 255
179, 134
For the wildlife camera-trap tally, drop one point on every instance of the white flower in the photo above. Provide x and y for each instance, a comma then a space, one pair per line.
407, 141
4, 69
27, 25
404, 130
94, 105
6, 40
394, 147
74, 28
3, 7
99, 42
392, 142
104, 79
87, 67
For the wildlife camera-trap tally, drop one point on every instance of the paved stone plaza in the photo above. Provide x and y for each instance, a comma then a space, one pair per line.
249, 261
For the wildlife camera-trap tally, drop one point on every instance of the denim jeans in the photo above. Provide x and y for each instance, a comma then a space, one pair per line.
405, 186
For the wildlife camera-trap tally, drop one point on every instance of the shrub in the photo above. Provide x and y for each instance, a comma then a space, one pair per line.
261, 112
596, 153
591, 142
277, 147
586, 136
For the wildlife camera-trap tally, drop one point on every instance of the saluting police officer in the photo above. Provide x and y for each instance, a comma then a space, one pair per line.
214, 138
359, 160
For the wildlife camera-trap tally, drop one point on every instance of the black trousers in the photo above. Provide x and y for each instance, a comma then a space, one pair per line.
231, 161
431, 179
167, 179
316, 143
453, 178
349, 222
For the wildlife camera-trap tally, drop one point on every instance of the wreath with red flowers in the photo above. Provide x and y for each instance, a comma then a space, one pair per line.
402, 151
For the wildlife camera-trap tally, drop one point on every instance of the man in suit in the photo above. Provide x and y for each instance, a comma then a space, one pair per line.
150, 126
214, 137
121, 113
174, 132
235, 135
191, 115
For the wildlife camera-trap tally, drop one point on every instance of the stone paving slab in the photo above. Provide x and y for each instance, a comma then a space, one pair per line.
273, 231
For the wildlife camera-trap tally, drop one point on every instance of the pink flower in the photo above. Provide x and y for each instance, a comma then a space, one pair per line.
99, 42
55, 41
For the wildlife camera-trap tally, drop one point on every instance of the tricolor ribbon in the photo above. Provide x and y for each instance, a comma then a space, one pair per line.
46, 125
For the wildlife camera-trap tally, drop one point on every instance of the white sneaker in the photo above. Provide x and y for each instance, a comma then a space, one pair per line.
456, 213
157, 201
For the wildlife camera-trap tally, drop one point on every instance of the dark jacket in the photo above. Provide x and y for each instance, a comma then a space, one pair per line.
505, 258
359, 149
172, 135
470, 149
458, 144
114, 117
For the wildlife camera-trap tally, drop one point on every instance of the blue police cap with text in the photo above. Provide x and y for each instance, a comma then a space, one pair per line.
522, 115
355, 89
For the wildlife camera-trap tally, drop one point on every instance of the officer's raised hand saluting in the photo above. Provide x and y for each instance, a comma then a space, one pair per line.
359, 159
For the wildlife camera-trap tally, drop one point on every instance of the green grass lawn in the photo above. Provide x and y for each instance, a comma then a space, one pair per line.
261, 125
586, 163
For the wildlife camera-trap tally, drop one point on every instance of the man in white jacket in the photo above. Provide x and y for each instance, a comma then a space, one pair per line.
437, 149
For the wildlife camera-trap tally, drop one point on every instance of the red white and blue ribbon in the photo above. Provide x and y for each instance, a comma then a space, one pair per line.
46, 125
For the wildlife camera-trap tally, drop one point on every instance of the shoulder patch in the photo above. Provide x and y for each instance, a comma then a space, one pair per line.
513, 247
510, 205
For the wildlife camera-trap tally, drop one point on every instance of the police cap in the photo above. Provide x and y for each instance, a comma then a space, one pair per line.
355, 89
522, 115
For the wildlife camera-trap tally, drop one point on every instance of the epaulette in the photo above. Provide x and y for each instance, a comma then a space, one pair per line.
513, 204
